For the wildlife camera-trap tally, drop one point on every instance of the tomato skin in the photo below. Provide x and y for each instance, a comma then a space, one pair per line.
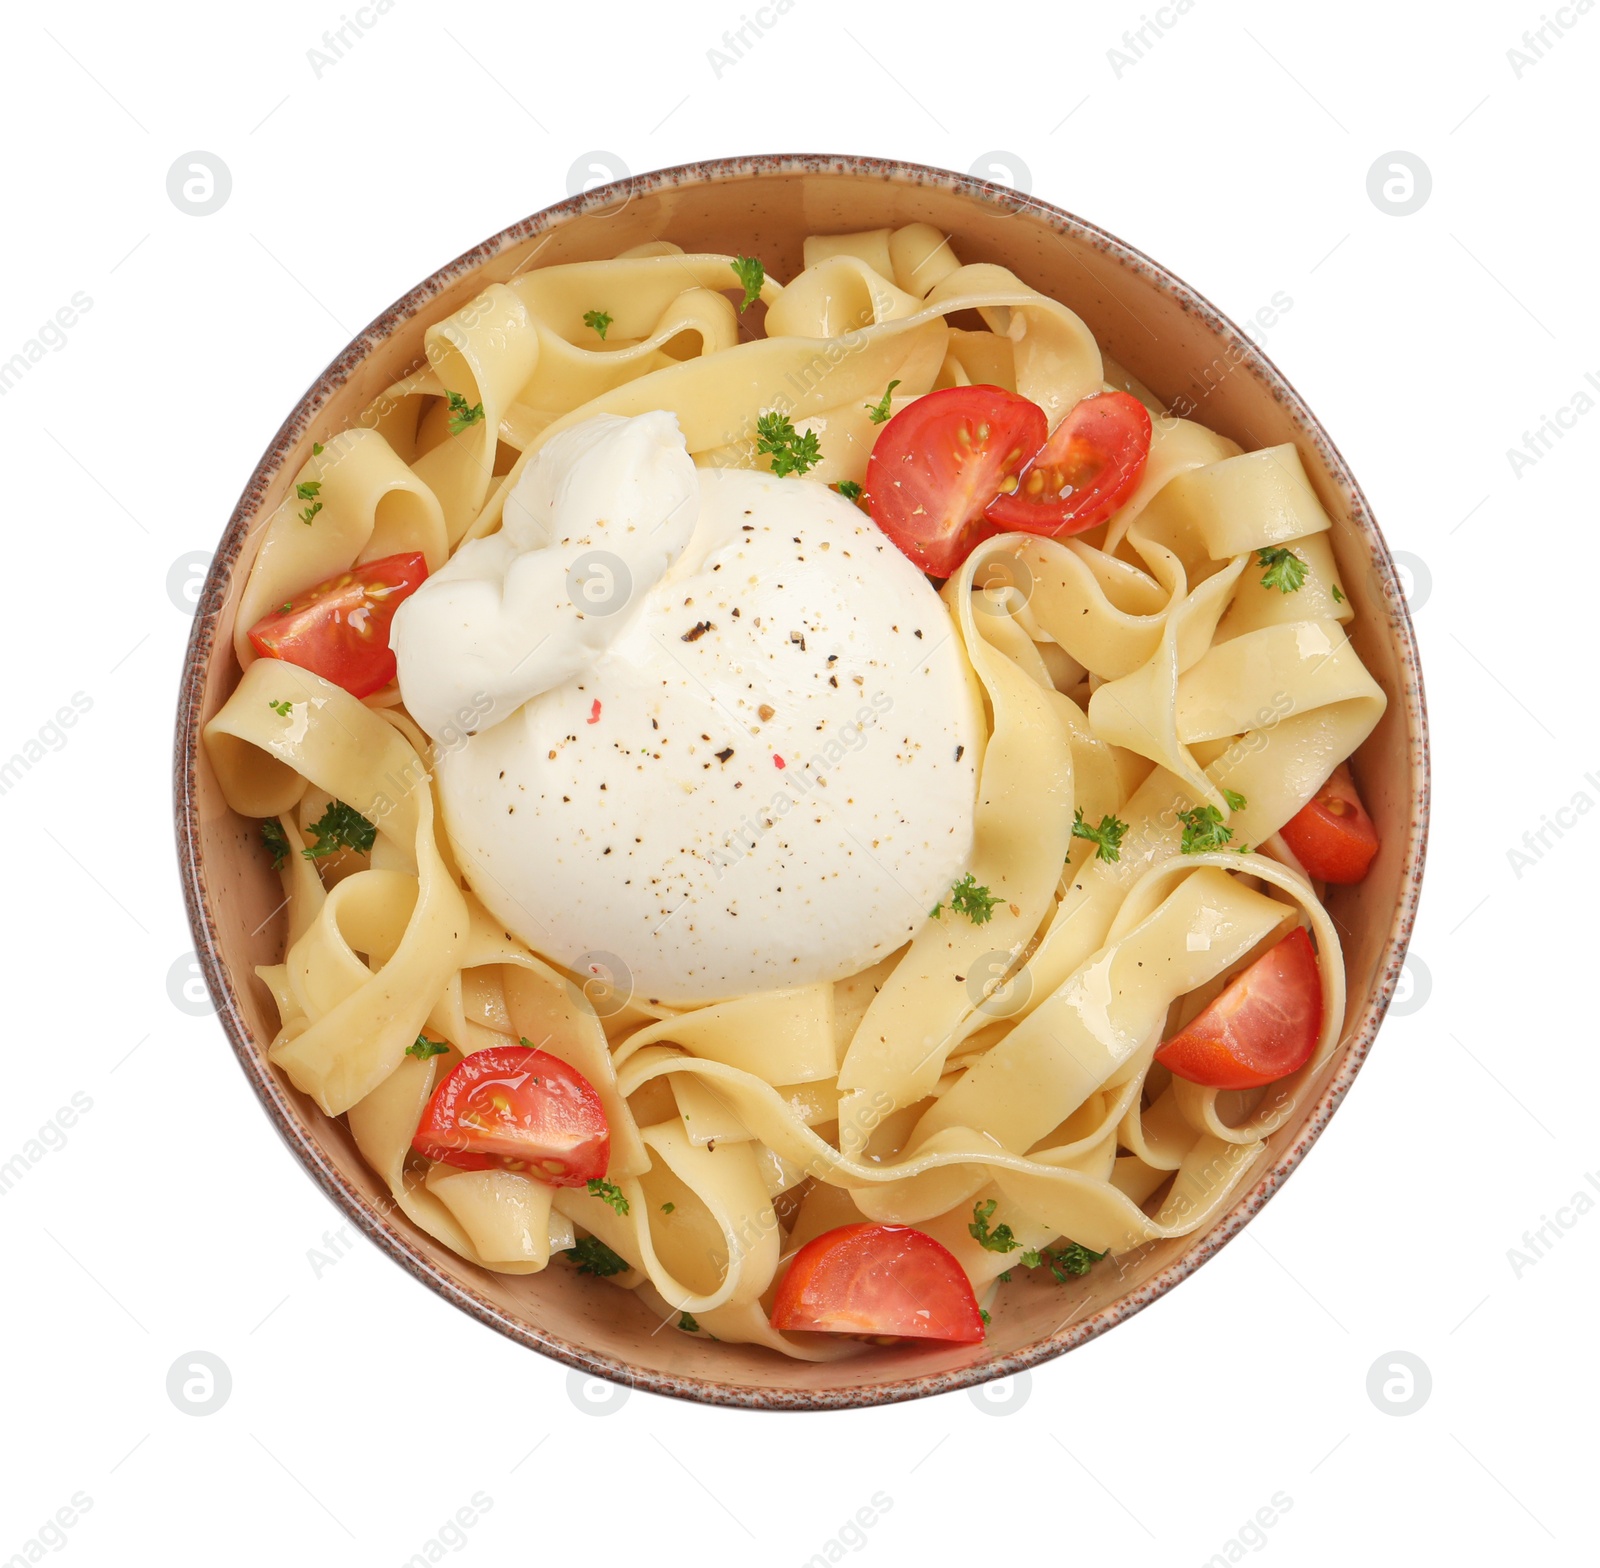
939, 462
1261, 1028
1098, 452
878, 1280
1331, 835
339, 629
516, 1108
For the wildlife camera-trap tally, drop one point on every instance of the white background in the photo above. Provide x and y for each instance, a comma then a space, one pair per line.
364, 1411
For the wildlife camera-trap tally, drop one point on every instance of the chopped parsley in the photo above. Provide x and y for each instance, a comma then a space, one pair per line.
340, 827
1000, 1239
1285, 570
791, 452
849, 489
1064, 1262
667, 1208
878, 412
276, 840
1069, 1262
985, 1316
1338, 598
282, 707
460, 415
310, 512
1204, 829
969, 899
687, 1323
425, 1048
316, 449
609, 1193
597, 319
593, 1256
1236, 801
307, 490
1107, 838
751, 274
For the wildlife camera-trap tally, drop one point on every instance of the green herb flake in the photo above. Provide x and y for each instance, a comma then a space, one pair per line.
424, 1048
1000, 1239
340, 827
687, 1323
609, 1193
751, 275
969, 899
1285, 570
1068, 1262
276, 840
593, 1256
791, 452
282, 707
1107, 838
597, 319
878, 412
1071, 1261
849, 489
1236, 801
460, 414
1203, 830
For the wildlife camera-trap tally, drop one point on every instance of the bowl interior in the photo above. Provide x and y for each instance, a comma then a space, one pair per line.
1164, 334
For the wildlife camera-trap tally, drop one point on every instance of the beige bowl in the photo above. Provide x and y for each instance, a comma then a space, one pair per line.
1170, 338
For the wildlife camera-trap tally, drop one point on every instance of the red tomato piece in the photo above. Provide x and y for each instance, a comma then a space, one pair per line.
1263, 1026
878, 1280
940, 461
340, 628
518, 1109
1086, 470
1332, 835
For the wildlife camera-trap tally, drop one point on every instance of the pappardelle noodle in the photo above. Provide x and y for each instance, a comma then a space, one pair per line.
1075, 1048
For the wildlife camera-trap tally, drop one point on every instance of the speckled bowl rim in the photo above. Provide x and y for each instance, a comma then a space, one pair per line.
203, 640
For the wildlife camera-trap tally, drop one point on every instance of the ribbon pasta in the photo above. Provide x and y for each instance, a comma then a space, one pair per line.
1141, 670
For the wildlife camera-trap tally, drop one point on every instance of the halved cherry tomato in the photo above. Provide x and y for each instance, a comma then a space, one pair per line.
1262, 1027
878, 1280
1332, 835
940, 461
517, 1109
1086, 470
340, 629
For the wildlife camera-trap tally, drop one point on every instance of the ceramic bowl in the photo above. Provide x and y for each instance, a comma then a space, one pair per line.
1168, 336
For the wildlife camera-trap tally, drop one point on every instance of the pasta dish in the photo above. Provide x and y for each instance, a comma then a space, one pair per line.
805, 801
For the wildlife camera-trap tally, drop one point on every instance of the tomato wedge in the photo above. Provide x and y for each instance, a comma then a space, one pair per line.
518, 1109
878, 1280
940, 461
1332, 835
340, 628
1262, 1027
1086, 470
